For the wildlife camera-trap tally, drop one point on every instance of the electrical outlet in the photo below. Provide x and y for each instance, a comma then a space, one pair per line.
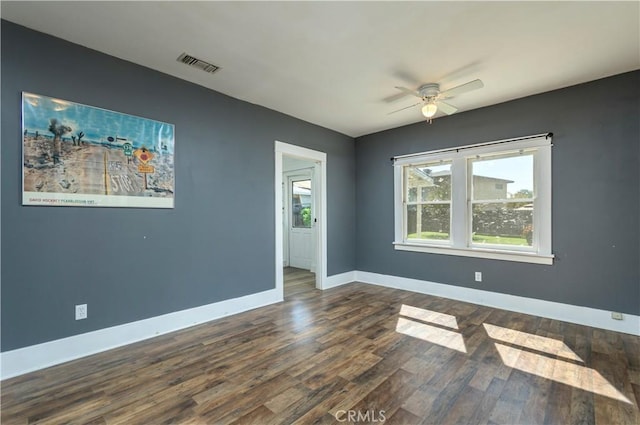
478, 276
616, 316
81, 311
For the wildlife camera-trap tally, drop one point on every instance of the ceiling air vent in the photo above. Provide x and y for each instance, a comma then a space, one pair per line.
197, 63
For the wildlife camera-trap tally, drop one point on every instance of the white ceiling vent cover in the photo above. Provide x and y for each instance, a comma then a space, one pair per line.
197, 63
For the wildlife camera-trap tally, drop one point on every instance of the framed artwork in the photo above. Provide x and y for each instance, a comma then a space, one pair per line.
79, 155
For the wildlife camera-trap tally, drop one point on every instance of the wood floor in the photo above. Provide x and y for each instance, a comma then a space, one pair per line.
297, 281
353, 354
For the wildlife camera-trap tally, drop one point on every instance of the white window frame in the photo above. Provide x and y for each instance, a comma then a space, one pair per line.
460, 242
419, 204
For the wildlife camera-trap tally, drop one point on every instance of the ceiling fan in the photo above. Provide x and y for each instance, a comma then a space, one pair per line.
433, 99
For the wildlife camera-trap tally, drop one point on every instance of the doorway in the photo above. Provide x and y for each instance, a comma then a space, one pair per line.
301, 233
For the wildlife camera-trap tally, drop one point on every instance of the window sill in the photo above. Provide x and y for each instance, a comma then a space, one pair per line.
493, 254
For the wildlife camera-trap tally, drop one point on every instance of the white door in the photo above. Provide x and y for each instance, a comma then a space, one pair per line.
301, 219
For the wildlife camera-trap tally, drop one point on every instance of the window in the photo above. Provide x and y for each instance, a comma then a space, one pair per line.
428, 201
301, 204
491, 200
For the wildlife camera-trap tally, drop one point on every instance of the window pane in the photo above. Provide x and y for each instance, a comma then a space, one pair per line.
413, 194
301, 204
508, 223
503, 177
429, 182
428, 221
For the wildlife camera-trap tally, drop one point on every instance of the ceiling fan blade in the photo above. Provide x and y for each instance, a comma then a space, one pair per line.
407, 91
406, 107
463, 88
394, 97
447, 108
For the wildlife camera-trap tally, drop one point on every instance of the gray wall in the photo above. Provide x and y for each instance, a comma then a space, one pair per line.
596, 196
218, 242
199, 252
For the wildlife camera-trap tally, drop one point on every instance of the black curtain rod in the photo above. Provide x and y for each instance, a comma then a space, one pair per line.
497, 142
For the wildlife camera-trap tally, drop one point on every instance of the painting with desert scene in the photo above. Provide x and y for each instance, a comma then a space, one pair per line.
79, 155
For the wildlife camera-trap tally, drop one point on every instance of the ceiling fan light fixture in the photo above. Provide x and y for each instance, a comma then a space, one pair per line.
432, 99
429, 109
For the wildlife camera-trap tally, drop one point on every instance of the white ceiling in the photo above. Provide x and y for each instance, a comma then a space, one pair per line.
335, 64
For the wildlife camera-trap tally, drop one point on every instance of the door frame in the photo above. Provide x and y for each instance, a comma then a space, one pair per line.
320, 214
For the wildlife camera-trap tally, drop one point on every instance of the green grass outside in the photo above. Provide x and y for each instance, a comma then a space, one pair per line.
429, 235
488, 239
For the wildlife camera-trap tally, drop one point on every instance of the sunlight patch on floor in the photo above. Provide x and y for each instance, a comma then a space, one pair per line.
551, 346
413, 324
545, 357
429, 316
548, 367
561, 371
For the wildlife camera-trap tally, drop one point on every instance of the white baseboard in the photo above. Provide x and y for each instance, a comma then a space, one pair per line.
40, 356
339, 279
565, 312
